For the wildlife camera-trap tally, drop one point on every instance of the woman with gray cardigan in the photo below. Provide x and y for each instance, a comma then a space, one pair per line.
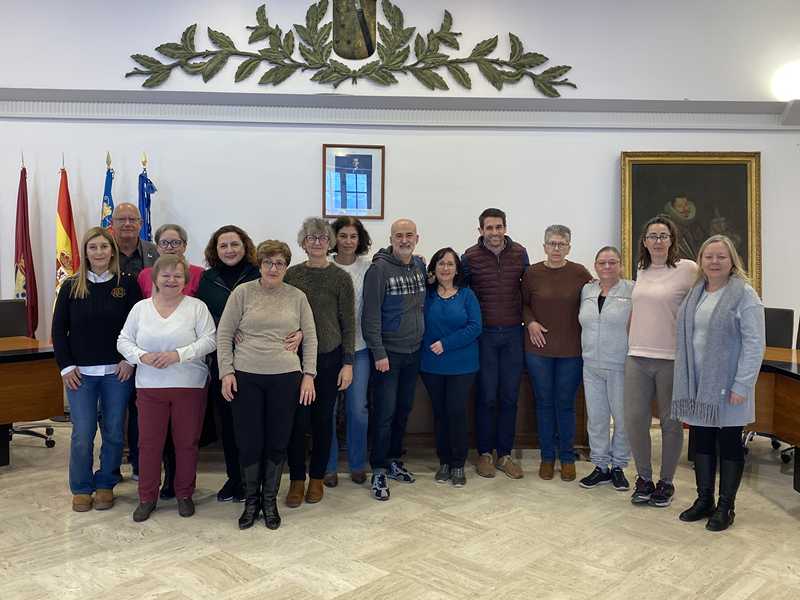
604, 314
720, 344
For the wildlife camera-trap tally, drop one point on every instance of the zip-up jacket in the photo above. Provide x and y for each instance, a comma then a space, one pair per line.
394, 297
604, 333
495, 279
214, 291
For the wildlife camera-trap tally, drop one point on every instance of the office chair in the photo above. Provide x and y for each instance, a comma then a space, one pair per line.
14, 322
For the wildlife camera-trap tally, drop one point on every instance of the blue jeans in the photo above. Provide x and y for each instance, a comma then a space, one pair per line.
357, 416
501, 350
555, 382
113, 396
394, 397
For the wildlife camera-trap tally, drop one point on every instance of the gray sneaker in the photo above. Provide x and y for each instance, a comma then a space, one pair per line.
443, 474
457, 477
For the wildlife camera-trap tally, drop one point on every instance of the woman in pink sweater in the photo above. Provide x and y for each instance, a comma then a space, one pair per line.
662, 280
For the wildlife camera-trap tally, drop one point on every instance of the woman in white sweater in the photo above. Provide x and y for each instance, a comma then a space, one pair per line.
167, 337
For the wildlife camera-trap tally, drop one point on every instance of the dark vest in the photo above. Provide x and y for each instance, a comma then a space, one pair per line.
496, 282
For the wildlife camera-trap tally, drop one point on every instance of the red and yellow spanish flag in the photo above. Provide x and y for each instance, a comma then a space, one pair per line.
24, 275
68, 258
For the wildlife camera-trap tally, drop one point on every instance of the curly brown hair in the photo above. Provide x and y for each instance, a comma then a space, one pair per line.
212, 258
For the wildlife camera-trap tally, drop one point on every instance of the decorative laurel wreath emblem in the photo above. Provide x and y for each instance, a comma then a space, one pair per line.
315, 48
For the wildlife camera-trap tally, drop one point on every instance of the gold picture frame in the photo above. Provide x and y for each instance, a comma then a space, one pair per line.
704, 193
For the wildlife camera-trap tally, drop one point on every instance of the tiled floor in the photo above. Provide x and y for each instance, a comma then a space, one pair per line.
494, 539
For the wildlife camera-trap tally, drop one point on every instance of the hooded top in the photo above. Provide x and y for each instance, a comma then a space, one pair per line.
394, 297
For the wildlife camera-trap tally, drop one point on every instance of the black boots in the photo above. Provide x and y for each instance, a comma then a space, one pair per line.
705, 472
730, 476
252, 500
269, 493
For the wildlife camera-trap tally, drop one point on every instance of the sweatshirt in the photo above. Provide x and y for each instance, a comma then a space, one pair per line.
604, 333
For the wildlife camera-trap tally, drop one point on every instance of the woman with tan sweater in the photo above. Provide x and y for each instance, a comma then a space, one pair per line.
263, 380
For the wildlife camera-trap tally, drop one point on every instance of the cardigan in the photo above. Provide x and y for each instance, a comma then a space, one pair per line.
456, 322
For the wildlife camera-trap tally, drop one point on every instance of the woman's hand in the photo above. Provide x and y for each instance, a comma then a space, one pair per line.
238, 337
229, 386
307, 392
166, 359
72, 379
382, 365
536, 333
292, 341
437, 348
123, 370
736, 398
345, 377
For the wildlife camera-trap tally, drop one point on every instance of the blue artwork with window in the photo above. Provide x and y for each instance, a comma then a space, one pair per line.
352, 182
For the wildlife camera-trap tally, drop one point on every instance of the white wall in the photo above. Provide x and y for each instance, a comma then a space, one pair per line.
267, 178
632, 49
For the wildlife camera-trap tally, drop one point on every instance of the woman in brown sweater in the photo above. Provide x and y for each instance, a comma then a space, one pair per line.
551, 295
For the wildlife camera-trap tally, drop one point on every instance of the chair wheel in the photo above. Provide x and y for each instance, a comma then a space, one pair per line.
776, 444
49, 431
785, 458
50, 443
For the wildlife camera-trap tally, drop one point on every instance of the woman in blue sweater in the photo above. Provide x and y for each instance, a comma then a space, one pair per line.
450, 360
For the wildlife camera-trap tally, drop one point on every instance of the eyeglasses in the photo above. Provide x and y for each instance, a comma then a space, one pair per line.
557, 245
657, 237
317, 239
124, 220
170, 243
279, 265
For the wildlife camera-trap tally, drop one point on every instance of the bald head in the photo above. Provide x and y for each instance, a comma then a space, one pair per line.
126, 221
404, 239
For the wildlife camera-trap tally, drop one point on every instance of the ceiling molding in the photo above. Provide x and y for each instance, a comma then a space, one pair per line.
393, 111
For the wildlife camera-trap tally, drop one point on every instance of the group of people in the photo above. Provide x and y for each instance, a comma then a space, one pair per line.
271, 346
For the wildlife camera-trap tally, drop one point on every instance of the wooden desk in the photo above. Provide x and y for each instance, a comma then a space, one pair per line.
30, 386
778, 400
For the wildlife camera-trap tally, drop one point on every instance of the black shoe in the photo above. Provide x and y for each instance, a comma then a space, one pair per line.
230, 492
143, 511
643, 491
457, 477
397, 471
185, 507
730, 476
252, 506
705, 473
443, 474
269, 494
380, 486
618, 480
662, 496
595, 478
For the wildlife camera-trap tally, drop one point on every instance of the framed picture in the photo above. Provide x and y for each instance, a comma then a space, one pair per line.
352, 181
703, 193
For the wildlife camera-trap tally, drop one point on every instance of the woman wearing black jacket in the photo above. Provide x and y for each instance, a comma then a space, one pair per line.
231, 257
90, 311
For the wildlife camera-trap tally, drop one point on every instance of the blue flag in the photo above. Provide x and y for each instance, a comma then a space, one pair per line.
107, 208
146, 188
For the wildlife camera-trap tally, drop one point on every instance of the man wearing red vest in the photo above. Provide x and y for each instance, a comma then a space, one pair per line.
493, 268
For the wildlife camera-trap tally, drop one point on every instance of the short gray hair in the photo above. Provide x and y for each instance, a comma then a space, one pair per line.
176, 228
560, 230
316, 226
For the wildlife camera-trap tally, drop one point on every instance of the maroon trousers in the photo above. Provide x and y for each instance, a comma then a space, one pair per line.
185, 408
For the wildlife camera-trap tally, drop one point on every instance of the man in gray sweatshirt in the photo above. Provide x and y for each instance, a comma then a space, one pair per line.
393, 324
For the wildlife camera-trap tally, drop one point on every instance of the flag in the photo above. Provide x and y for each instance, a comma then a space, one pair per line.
24, 275
146, 188
68, 258
107, 208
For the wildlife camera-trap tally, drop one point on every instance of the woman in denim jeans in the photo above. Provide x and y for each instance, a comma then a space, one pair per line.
551, 296
90, 311
351, 245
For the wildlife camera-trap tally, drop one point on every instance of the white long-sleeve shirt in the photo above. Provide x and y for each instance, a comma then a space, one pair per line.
189, 330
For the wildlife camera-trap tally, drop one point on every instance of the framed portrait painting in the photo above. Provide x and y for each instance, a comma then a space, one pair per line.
703, 193
352, 181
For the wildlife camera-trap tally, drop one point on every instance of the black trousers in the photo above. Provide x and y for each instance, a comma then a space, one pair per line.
225, 410
263, 411
449, 395
317, 417
727, 439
